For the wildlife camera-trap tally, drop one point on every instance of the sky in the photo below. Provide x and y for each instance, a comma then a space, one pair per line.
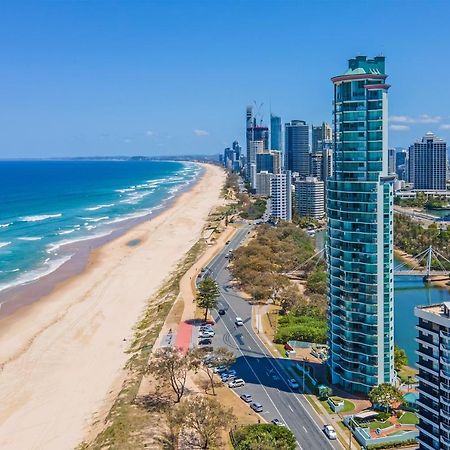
97, 78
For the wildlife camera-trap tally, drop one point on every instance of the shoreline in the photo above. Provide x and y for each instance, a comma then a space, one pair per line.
14, 298
63, 355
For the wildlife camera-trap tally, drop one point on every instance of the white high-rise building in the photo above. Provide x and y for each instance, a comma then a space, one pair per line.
281, 192
310, 197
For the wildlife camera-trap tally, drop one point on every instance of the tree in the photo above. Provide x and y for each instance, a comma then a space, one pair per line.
264, 437
171, 366
218, 357
207, 295
385, 395
203, 421
400, 358
290, 298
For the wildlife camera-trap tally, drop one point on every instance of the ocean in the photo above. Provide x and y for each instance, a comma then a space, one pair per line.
48, 209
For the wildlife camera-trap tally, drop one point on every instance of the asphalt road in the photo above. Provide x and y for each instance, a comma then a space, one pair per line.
264, 375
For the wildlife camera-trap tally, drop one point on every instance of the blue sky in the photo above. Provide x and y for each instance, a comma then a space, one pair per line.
172, 77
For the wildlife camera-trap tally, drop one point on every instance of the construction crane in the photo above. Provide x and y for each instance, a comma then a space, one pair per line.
258, 112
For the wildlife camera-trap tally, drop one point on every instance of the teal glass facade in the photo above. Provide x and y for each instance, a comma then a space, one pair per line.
360, 239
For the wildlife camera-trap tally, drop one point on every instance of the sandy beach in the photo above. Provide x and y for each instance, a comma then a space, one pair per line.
62, 357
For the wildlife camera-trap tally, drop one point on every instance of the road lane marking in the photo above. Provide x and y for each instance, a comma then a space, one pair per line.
305, 429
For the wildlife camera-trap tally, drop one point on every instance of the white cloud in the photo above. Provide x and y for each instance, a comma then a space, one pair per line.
445, 126
394, 127
423, 118
150, 133
201, 133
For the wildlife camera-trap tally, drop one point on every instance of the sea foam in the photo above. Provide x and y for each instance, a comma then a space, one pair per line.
39, 218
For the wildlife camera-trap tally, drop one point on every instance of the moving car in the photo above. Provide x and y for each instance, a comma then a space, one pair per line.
238, 382
247, 398
293, 383
329, 431
221, 311
278, 423
239, 322
257, 407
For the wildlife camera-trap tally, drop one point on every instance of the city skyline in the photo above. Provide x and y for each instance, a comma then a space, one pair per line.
108, 79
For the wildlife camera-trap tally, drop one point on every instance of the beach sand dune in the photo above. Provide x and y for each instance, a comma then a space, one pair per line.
63, 355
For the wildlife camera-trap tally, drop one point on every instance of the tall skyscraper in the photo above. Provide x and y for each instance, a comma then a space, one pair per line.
276, 134
309, 197
320, 135
296, 147
428, 163
254, 132
281, 192
268, 160
433, 338
254, 148
401, 158
315, 164
391, 161
360, 239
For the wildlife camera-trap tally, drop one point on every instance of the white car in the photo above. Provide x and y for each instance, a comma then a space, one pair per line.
206, 334
278, 423
236, 383
329, 431
239, 322
293, 383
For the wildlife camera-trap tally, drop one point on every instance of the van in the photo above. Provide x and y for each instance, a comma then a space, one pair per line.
238, 382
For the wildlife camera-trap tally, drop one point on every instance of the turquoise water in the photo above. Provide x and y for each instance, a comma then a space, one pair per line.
47, 205
408, 293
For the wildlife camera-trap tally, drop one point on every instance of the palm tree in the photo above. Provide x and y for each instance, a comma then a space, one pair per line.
207, 295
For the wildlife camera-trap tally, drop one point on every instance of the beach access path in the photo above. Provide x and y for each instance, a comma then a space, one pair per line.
62, 357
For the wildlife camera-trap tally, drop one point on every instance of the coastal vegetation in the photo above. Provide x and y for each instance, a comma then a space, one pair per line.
421, 201
413, 238
385, 395
126, 424
264, 436
265, 269
400, 358
207, 295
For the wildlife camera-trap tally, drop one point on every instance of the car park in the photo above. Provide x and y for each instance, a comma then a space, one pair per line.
330, 432
247, 398
238, 382
257, 407
278, 423
239, 322
293, 383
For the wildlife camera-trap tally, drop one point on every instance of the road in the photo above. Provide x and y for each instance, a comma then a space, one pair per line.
264, 375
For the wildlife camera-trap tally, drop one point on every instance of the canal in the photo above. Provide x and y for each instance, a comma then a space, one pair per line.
408, 293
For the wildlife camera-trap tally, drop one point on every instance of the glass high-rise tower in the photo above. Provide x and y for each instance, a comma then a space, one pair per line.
360, 238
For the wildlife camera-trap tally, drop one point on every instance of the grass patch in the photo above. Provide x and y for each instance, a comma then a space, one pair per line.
377, 424
301, 328
348, 406
127, 421
281, 350
409, 418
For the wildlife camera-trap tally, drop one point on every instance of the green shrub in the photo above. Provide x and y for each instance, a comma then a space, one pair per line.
264, 436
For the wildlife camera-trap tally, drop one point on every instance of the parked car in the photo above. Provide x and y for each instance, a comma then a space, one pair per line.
221, 311
206, 334
239, 322
226, 243
238, 382
247, 398
226, 378
206, 328
278, 423
293, 383
232, 372
220, 369
205, 342
329, 431
257, 407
